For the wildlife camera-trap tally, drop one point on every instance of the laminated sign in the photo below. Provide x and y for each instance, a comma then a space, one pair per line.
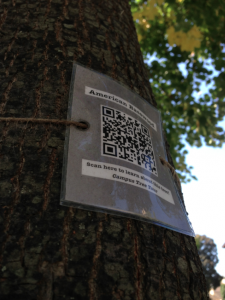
114, 165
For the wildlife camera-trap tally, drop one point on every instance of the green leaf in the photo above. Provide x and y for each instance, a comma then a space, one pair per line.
185, 117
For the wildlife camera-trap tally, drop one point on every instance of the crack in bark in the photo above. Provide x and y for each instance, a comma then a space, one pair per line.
138, 265
3, 18
196, 258
37, 100
161, 281
6, 94
59, 34
11, 44
66, 231
177, 277
4, 134
46, 284
138, 275
98, 249
33, 50
11, 64
65, 8
48, 9
47, 184
22, 240
16, 196
190, 271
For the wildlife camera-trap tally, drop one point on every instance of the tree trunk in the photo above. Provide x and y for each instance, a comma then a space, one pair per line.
53, 252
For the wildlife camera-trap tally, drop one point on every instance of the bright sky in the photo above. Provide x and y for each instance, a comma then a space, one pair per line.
205, 198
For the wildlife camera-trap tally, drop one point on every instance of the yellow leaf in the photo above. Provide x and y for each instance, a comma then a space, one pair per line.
137, 15
160, 2
186, 41
139, 37
149, 11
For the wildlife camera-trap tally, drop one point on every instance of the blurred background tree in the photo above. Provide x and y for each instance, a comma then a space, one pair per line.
222, 288
222, 284
188, 35
207, 250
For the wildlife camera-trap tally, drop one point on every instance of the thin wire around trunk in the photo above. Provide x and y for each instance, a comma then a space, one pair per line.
53, 121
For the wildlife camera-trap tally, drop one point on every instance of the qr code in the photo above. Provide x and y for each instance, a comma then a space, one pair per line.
126, 138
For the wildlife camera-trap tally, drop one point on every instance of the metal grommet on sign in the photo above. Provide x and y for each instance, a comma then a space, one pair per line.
83, 125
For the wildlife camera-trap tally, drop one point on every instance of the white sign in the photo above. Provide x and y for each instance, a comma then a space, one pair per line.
106, 96
114, 166
125, 175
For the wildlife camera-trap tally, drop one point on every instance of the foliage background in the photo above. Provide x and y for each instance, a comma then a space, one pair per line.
190, 33
222, 290
207, 250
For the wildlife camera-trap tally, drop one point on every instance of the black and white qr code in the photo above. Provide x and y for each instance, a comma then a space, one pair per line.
126, 138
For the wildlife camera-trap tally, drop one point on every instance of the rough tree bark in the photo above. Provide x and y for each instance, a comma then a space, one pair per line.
53, 252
